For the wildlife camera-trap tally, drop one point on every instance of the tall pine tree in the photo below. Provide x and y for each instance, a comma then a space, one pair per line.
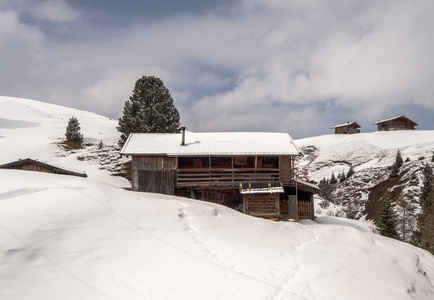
350, 172
394, 169
150, 109
425, 232
388, 220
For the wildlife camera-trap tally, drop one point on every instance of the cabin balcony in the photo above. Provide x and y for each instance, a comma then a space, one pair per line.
225, 177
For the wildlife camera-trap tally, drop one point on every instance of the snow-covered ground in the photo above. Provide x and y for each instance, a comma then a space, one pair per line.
64, 237
34, 129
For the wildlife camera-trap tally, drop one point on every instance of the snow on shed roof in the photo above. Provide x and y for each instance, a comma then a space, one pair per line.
346, 124
398, 117
210, 143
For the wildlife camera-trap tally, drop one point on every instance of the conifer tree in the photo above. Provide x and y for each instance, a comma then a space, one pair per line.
394, 172
425, 232
73, 131
388, 220
350, 172
333, 179
394, 169
150, 109
342, 176
326, 190
398, 160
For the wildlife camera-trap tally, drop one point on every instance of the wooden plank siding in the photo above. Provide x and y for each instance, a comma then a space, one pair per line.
395, 125
156, 181
261, 204
286, 170
154, 174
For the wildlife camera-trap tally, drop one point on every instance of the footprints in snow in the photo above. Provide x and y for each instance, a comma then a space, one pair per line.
182, 214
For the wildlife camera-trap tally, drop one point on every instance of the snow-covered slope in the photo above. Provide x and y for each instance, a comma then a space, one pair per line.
64, 237
335, 153
370, 155
34, 129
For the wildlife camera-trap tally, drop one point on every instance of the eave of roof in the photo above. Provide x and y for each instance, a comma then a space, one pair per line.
395, 118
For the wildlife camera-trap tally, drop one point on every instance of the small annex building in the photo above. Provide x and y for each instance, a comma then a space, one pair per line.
396, 123
30, 164
347, 128
249, 171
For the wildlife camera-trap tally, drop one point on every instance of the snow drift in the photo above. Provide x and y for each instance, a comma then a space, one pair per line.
72, 238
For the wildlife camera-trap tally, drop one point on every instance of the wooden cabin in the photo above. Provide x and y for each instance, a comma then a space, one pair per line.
347, 128
397, 123
250, 172
29, 164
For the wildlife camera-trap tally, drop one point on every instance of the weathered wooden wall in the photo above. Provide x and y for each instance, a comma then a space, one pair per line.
395, 125
286, 170
261, 204
350, 129
154, 174
154, 163
156, 181
32, 167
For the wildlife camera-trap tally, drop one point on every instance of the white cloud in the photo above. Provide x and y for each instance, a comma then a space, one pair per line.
285, 58
55, 11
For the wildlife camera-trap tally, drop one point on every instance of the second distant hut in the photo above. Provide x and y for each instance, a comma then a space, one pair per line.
396, 123
347, 128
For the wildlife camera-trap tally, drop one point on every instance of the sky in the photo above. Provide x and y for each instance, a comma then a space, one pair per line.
248, 65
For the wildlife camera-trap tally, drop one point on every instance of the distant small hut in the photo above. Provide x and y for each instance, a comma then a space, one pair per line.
347, 128
397, 123
29, 164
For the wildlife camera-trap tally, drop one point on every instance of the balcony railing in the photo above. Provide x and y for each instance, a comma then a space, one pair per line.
194, 177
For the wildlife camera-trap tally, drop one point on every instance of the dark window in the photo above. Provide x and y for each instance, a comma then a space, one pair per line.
244, 162
268, 162
193, 162
221, 162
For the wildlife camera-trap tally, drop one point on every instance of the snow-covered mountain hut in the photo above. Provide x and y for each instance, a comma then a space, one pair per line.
347, 128
30, 164
396, 123
251, 172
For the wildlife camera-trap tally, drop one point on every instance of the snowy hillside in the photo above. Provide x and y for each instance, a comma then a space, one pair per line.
370, 155
336, 152
64, 237
34, 129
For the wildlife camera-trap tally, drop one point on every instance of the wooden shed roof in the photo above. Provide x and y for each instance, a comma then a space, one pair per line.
27, 161
210, 144
395, 118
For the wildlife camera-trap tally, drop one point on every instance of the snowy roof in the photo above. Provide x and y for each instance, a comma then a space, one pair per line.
399, 117
261, 188
304, 185
346, 124
30, 161
210, 143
